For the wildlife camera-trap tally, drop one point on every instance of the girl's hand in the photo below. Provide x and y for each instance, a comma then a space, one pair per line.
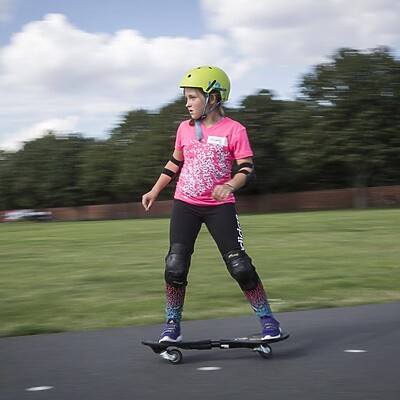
222, 192
148, 199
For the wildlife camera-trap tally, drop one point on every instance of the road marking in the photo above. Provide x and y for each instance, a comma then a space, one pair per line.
39, 388
355, 351
209, 368
277, 301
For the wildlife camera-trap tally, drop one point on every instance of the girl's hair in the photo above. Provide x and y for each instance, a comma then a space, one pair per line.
218, 97
220, 109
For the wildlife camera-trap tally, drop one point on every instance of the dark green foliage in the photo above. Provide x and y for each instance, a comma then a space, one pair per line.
355, 102
342, 131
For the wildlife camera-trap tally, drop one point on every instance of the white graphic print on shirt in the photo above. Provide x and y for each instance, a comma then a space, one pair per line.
206, 165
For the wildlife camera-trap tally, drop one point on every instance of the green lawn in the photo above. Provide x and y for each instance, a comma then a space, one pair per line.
87, 275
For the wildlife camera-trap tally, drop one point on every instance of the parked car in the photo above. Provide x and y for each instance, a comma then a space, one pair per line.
26, 215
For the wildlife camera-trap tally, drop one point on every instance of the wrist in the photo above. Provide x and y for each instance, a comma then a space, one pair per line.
230, 185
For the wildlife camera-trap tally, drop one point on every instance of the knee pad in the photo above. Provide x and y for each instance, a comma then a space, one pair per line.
241, 269
177, 263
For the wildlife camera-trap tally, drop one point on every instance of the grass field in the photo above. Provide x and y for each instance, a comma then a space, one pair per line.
86, 275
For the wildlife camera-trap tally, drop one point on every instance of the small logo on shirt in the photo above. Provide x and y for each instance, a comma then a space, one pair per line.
222, 141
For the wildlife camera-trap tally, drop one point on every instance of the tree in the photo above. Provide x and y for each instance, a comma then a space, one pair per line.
7, 176
97, 172
147, 144
342, 131
45, 172
262, 117
354, 101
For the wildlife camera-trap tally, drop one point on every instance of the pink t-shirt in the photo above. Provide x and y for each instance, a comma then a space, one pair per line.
208, 162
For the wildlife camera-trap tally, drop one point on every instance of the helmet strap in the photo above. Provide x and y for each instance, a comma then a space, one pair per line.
204, 113
214, 106
199, 133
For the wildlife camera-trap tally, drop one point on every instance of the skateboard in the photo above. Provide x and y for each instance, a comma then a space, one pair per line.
171, 351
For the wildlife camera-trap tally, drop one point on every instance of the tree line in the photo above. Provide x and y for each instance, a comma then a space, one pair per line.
342, 130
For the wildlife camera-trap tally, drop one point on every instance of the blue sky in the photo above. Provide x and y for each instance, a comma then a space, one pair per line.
78, 66
151, 18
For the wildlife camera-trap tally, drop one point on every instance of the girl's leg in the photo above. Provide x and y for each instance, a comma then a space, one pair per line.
175, 298
184, 228
224, 226
258, 300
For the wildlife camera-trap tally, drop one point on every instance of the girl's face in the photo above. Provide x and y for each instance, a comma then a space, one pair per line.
195, 101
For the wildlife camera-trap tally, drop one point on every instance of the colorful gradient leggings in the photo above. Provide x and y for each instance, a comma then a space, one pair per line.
223, 224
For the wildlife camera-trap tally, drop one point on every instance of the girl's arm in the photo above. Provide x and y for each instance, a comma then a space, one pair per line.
171, 168
239, 180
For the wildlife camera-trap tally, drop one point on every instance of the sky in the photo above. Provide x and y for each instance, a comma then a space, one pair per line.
78, 66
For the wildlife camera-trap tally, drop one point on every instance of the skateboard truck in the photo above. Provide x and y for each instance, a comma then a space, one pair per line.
173, 355
264, 351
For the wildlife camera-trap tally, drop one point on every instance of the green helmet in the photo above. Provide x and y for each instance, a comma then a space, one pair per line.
208, 79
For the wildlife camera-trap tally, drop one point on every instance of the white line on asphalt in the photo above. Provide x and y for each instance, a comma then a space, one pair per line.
39, 388
355, 351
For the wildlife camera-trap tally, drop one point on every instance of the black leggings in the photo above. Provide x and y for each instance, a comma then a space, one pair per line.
221, 221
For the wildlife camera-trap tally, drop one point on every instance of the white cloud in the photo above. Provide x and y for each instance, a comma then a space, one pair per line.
276, 42
37, 130
52, 70
55, 56
303, 31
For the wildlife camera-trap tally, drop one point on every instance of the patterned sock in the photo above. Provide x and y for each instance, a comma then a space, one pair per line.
175, 297
258, 300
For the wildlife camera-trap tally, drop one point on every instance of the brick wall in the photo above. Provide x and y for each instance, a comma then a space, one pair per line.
386, 196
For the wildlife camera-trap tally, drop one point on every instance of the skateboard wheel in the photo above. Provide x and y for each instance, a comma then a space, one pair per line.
176, 356
265, 351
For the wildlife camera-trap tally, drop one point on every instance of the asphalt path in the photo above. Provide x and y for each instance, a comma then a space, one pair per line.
341, 353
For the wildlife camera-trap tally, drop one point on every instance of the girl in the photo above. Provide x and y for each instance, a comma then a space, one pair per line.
206, 148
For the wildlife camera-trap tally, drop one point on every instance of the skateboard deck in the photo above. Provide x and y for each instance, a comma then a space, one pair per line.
171, 350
